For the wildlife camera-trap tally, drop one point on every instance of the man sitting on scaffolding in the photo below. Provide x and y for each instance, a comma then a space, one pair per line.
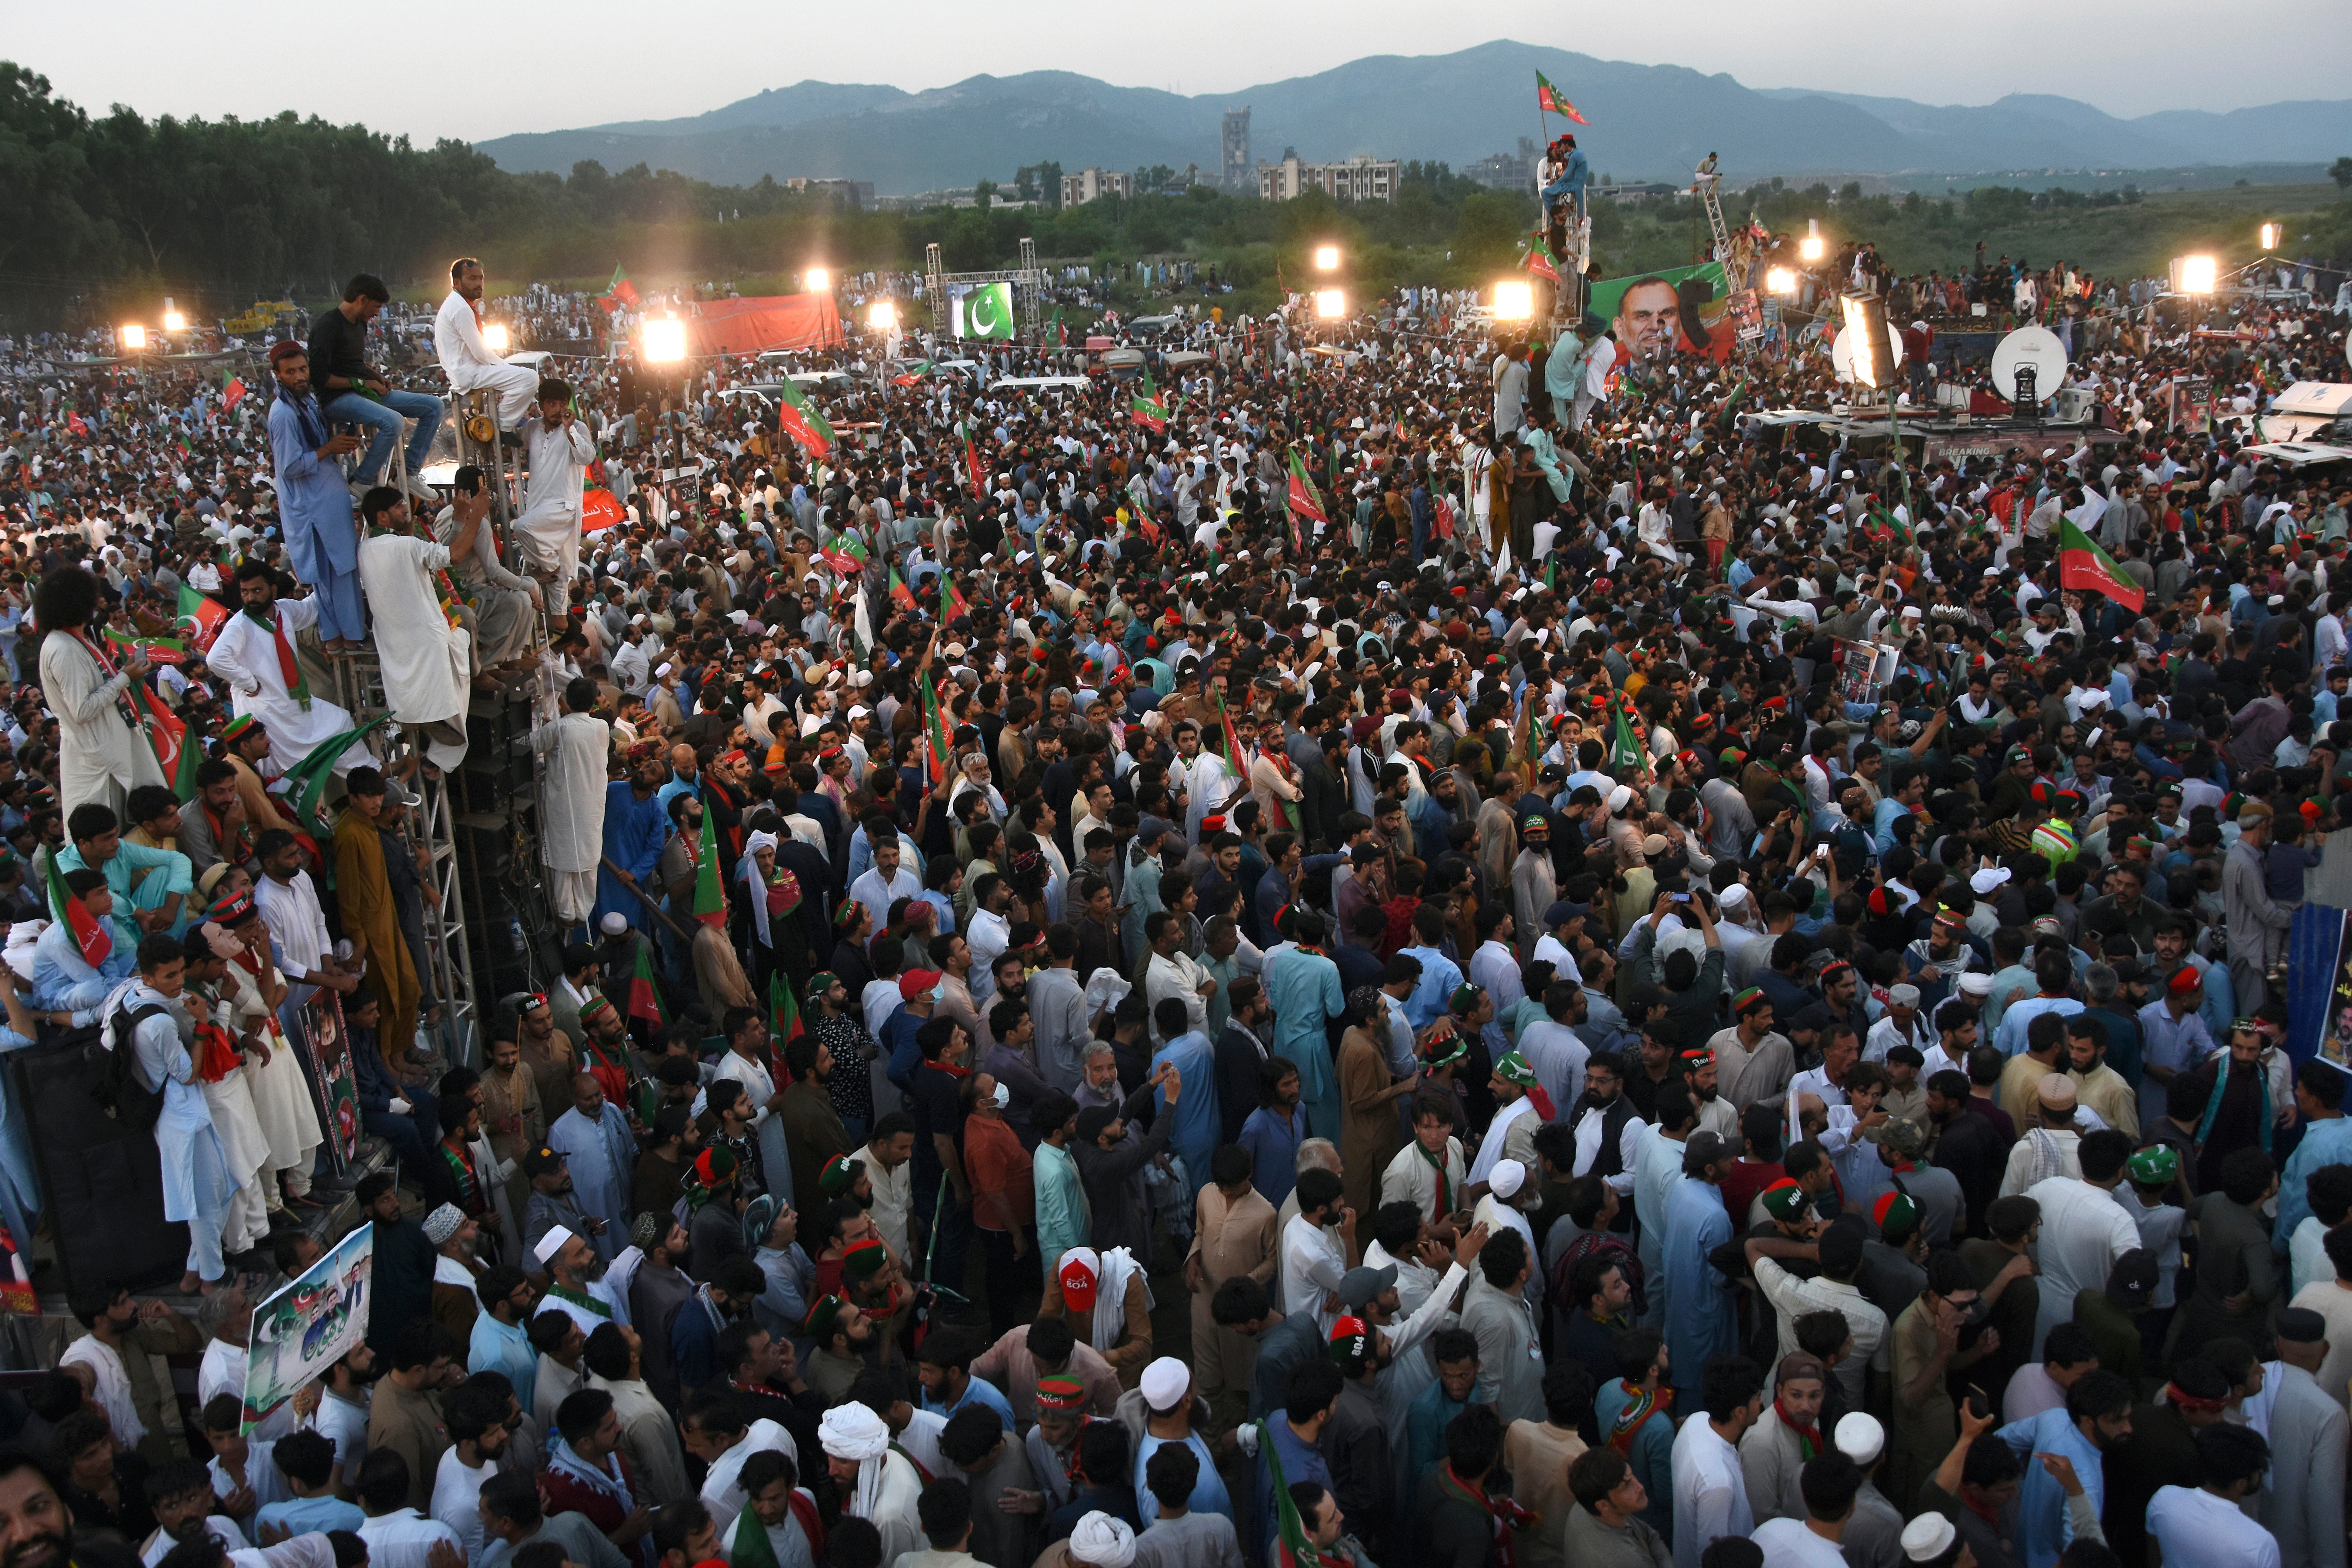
466, 357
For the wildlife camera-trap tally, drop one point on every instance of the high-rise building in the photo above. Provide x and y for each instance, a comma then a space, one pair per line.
1235, 163
1090, 183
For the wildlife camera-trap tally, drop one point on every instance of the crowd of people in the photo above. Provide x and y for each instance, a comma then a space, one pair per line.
1452, 952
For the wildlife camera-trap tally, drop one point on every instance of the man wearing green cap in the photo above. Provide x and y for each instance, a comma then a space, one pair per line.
1521, 1106
1535, 881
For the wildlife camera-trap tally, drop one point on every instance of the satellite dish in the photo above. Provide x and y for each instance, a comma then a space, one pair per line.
1842, 355
2035, 346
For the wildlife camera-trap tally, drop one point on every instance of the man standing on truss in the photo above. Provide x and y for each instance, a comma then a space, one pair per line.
572, 749
427, 657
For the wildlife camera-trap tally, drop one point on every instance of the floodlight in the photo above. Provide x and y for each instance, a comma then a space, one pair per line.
494, 335
816, 279
664, 340
1779, 280
2198, 274
2269, 237
1330, 304
132, 335
1327, 257
1514, 301
174, 322
1865, 332
882, 316
1814, 247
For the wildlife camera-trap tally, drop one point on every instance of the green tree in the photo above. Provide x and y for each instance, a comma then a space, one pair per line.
2340, 171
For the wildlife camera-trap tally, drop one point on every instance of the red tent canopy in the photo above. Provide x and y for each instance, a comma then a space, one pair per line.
755, 326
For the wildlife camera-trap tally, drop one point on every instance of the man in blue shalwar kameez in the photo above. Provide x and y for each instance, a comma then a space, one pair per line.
1304, 986
1700, 1321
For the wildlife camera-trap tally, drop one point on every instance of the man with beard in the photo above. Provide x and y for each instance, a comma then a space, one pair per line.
254, 652
595, 1139
1607, 1129
553, 1205
36, 1529
1716, 1114
576, 1284
813, 1133
2096, 1420
658, 1288
181, 1494
1753, 1063
634, 830
403, 1259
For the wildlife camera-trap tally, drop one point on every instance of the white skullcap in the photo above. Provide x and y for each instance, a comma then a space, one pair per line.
1986, 881
613, 923
1860, 1438
1733, 897
1905, 996
1928, 1537
853, 1432
1507, 1178
1165, 1382
664, 671
443, 1223
1101, 1542
550, 1243
1620, 798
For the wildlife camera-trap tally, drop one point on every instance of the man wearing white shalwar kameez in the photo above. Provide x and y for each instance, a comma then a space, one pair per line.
281, 1095
466, 356
572, 752
102, 754
427, 663
254, 652
547, 532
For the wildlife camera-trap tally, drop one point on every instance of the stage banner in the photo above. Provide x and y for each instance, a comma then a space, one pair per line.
326, 1048
1679, 311
304, 1329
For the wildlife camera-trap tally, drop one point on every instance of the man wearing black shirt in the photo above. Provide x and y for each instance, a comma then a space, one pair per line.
351, 393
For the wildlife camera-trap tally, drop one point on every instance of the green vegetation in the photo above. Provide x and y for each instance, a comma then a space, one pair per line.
106, 215
2118, 234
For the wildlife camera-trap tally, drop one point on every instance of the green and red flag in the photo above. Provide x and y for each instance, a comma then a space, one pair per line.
644, 998
1549, 101
847, 555
1232, 742
900, 594
1306, 500
2082, 564
934, 731
233, 393
159, 650
90, 934
796, 416
971, 464
619, 292
783, 1013
1149, 409
951, 600
1540, 261
1294, 1546
709, 888
909, 377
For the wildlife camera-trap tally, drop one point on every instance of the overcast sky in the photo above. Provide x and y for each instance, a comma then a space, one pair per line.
533, 65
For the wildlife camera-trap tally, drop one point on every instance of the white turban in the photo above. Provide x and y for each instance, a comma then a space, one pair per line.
853, 1432
1102, 1542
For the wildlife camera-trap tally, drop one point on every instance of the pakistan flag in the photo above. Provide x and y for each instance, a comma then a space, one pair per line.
985, 312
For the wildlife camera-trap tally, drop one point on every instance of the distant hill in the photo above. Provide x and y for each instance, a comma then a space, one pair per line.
1648, 122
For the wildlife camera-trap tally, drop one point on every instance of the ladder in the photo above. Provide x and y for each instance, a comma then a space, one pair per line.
359, 682
1708, 186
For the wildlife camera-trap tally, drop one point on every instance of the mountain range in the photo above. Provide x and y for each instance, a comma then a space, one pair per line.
1647, 122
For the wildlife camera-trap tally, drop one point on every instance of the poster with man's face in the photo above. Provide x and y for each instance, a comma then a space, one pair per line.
1679, 311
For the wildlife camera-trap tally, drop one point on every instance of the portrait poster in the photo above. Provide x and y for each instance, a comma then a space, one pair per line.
328, 1048
1746, 312
1676, 310
302, 1330
2324, 933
